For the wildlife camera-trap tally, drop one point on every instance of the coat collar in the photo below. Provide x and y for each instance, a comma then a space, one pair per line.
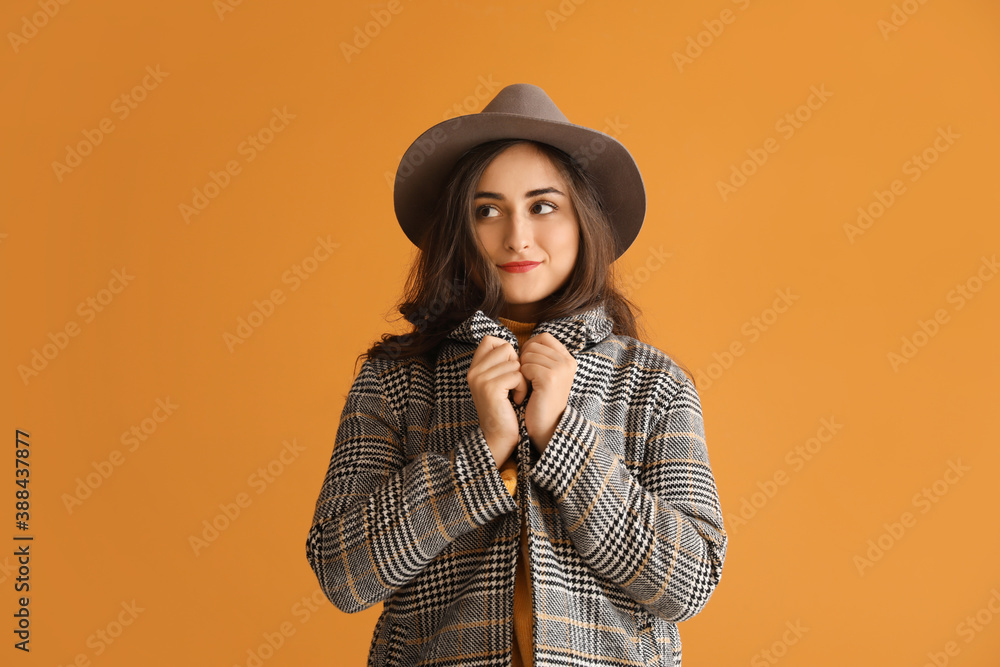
575, 332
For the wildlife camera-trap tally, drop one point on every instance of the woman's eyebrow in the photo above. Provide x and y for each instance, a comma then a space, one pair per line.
530, 193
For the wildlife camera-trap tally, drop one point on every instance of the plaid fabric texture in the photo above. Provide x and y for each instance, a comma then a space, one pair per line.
624, 523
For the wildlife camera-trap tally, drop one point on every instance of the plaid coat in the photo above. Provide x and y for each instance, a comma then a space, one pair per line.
624, 522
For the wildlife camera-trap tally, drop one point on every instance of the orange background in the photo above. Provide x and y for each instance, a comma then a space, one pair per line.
162, 336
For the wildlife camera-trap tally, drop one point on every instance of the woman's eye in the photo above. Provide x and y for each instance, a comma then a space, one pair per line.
483, 211
545, 203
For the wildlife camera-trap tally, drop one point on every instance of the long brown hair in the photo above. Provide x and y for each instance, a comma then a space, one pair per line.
441, 292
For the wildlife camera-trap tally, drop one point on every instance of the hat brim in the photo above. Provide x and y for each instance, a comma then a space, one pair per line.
426, 164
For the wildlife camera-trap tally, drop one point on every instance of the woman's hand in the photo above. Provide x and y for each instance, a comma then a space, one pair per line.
493, 372
550, 368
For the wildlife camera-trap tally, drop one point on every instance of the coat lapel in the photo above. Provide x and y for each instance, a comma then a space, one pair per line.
575, 332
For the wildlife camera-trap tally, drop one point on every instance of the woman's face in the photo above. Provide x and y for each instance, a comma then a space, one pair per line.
523, 214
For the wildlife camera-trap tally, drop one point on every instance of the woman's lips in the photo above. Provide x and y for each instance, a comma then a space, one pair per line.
519, 267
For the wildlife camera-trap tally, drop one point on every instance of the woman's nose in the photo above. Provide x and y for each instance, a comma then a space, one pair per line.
518, 232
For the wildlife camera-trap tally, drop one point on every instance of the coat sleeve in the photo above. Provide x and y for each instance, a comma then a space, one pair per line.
659, 536
380, 519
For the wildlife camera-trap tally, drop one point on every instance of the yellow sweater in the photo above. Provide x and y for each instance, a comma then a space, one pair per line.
523, 644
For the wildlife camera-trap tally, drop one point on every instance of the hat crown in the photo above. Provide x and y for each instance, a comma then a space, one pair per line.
525, 99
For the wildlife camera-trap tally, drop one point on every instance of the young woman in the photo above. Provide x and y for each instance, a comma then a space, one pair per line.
521, 480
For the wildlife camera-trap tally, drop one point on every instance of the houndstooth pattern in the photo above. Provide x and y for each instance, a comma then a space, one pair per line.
624, 522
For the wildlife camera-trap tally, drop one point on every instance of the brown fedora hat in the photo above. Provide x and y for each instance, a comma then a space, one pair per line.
519, 111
